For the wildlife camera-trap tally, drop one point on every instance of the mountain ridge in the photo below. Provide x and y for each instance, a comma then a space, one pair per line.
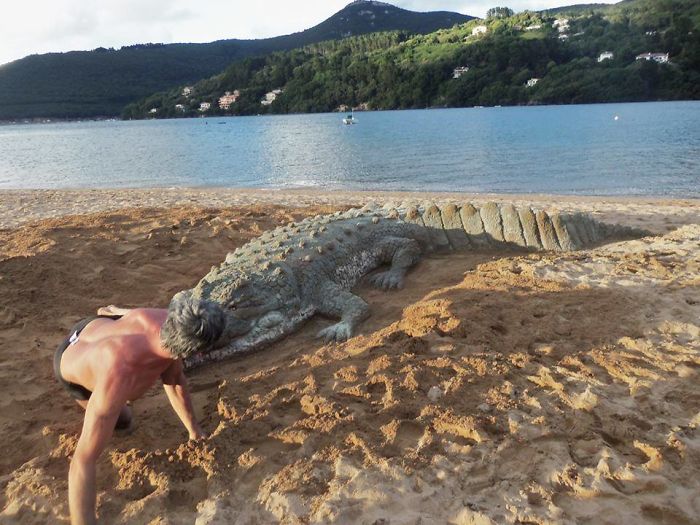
84, 84
631, 51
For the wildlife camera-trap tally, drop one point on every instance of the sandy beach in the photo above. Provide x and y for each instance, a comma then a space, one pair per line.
493, 388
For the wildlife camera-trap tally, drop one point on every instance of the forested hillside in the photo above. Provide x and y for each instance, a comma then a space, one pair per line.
525, 58
101, 82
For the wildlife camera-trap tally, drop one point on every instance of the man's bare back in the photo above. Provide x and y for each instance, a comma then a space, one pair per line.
104, 364
129, 345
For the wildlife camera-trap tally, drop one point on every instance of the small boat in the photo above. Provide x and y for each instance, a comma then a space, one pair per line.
349, 120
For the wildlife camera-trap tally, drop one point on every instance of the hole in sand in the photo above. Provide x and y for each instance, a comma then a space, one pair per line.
378, 388
408, 434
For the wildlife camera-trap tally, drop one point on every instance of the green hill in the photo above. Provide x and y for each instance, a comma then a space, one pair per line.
101, 82
396, 70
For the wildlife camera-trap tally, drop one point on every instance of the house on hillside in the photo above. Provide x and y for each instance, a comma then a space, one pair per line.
533, 28
532, 82
204, 106
661, 58
459, 71
561, 25
153, 111
606, 55
228, 98
271, 97
180, 108
187, 91
479, 30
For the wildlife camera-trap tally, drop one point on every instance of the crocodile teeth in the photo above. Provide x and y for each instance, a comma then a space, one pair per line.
375, 220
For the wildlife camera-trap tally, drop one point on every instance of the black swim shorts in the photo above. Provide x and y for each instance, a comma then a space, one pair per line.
76, 391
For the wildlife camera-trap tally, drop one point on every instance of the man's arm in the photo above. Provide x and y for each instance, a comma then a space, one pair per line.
175, 385
100, 417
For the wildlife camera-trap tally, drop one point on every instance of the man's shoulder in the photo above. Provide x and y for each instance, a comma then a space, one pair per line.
148, 317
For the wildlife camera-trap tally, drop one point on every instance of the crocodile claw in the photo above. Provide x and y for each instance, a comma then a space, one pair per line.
341, 331
386, 280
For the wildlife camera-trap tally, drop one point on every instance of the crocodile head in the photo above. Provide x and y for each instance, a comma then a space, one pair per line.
261, 306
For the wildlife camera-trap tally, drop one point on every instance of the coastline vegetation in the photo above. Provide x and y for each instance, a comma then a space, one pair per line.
550, 57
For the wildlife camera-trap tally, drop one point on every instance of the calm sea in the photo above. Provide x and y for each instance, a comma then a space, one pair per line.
611, 149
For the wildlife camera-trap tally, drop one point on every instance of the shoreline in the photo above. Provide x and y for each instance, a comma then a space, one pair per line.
118, 118
23, 206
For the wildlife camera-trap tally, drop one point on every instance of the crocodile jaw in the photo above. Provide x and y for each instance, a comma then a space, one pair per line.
253, 340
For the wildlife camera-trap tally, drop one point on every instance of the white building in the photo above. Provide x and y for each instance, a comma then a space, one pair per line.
606, 55
204, 106
179, 107
533, 28
187, 91
459, 71
153, 111
479, 30
228, 99
561, 24
661, 58
532, 82
271, 97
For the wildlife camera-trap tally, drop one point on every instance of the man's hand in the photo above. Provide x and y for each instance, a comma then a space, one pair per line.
197, 433
175, 386
112, 310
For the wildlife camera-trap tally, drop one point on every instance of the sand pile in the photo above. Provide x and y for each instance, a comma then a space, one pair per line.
494, 388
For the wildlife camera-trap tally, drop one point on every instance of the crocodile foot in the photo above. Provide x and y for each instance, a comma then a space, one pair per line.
341, 331
386, 280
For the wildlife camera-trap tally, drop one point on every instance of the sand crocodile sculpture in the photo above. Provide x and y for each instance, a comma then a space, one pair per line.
272, 285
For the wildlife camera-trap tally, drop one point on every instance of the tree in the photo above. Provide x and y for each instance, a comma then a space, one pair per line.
499, 12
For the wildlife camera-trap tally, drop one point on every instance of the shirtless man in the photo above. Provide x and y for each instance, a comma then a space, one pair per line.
115, 358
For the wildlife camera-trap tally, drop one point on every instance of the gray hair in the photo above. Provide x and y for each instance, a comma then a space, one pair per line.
192, 325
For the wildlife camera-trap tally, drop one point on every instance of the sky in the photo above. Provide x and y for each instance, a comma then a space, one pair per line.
42, 26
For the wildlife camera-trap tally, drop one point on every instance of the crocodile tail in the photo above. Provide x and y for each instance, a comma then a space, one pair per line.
453, 227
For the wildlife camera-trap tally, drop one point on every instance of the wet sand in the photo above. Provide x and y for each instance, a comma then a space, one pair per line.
494, 388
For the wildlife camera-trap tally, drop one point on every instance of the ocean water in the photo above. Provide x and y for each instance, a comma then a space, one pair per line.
606, 149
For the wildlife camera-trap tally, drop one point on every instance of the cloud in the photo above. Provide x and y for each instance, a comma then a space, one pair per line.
42, 26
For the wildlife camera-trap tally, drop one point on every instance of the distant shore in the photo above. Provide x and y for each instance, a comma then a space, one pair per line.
118, 118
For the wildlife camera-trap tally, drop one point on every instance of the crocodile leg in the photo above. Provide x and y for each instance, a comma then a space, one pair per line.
333, 301
401, 253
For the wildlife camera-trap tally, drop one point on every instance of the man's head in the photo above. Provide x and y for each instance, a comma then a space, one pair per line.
192, 325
